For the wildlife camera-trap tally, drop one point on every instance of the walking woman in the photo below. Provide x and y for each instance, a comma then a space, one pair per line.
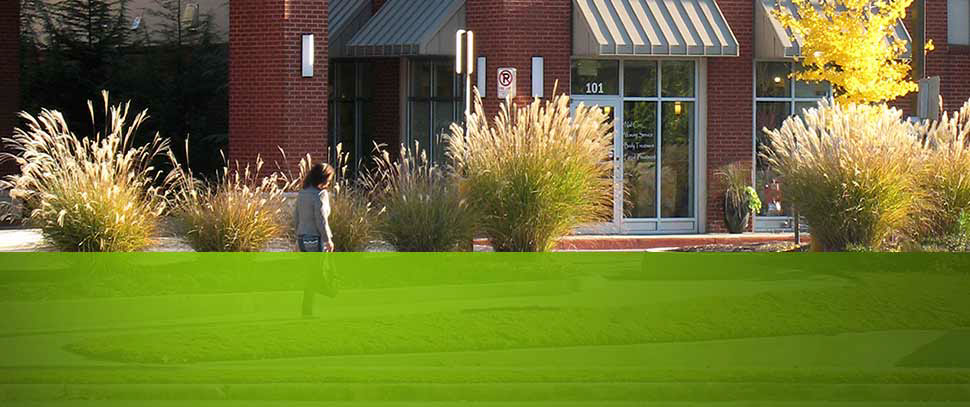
312, 210
313, 232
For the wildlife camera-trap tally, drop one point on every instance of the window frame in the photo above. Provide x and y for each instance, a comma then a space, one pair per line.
358, 154
457, 102
659, 99
773, 222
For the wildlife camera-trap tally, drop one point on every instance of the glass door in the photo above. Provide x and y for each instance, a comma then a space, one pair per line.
613, 111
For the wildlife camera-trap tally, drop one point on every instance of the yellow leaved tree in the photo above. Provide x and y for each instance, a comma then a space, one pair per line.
852, 44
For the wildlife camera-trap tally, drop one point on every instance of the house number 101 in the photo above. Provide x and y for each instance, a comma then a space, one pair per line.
594, 87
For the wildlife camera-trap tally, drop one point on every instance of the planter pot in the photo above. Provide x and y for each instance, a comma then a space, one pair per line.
736, 218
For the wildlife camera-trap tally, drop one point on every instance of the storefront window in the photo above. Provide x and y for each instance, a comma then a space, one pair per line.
778, 97
658, 174
640, 78
677, 78
640, 158
434, 103
595, 77
351, 99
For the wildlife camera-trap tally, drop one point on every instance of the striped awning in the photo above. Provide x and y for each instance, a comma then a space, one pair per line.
651, 27
773, 40
346, 17
411, 27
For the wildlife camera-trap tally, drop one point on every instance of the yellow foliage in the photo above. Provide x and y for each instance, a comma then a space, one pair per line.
852, 45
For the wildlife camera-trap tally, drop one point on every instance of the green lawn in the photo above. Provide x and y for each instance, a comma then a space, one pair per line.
576, 328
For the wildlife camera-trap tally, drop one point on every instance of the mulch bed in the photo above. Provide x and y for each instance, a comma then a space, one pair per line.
771, 247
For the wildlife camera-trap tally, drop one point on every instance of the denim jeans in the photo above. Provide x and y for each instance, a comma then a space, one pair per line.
309, 243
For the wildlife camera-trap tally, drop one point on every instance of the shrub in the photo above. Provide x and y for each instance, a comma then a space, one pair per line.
353, 220
945, 175
537, 173
99, 193
238, 211
423, 210
849, 171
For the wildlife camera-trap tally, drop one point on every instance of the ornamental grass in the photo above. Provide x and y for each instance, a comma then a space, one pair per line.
353, 220
422, 206
99, 193
849, 170
536, 172
238, 211
945, 174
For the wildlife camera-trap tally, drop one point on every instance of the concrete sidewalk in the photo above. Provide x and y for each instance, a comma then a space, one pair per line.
30, 240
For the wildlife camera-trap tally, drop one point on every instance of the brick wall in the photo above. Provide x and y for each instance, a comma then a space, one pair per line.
950, 62
9, 72
729, 107
510, 32
387, 102
270, 104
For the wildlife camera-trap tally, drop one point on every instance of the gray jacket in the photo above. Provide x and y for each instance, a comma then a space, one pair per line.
311, 213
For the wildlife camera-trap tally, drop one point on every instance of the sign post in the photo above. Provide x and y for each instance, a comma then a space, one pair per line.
506, 83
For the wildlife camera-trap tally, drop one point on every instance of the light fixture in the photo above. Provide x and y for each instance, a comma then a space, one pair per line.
190, 16
307, 56
777, 79
678, 109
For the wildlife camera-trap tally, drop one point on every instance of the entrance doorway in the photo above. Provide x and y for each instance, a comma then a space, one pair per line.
654, 107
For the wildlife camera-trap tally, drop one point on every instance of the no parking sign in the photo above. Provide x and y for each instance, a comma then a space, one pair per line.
506, 83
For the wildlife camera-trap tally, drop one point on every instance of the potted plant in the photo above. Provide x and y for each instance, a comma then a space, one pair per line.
740, 199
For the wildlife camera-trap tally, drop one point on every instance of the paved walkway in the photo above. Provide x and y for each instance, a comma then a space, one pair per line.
21, 240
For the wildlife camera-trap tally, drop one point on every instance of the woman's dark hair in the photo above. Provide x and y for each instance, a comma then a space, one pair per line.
320, 176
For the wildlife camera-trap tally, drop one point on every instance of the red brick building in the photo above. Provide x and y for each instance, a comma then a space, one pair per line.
689, 82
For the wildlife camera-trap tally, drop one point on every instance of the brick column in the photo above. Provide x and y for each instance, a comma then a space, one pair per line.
270, 104
729, 107
510, 32
9, 72
950, 62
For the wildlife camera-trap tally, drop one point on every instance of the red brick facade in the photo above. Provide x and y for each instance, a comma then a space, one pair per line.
510, 32
9, 72
729, 107
950, 62
387, 103
270, 105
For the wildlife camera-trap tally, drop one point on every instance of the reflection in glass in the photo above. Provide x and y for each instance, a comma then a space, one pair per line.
640, 78
595, 77
420, 125
421, 79
676, 173
346, 80
677, 78
345, 129
772, 79
640, 159
444, 114
444, 81
769, 115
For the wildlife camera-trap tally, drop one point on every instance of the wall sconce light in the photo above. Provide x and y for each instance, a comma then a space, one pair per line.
307, 56
537, 73
678, 108
777, 79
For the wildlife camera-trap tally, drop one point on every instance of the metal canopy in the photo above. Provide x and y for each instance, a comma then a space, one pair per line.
346, 17
651, 27
774, 41
411, 27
